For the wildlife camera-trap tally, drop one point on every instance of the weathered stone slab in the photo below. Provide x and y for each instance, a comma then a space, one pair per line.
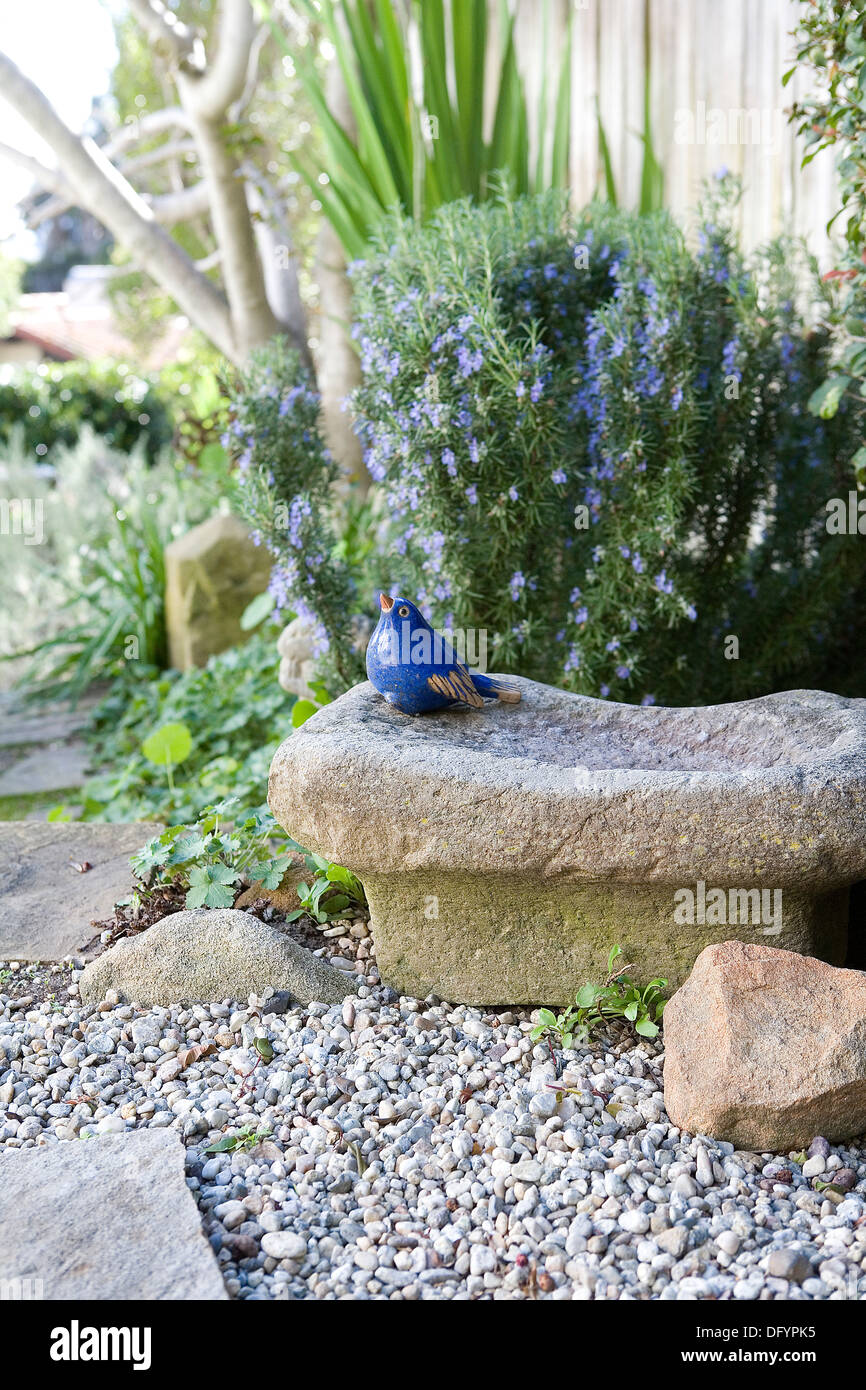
108, 1218
505, 850
211, 575
47, 770
208, 954
18, 726
46, 904
766, 1049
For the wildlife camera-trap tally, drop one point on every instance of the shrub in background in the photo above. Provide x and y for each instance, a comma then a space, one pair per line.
285, 477
75, 602
832, 46
51, 403
594, 443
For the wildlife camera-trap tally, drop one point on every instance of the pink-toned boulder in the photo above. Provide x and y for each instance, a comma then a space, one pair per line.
766, 1048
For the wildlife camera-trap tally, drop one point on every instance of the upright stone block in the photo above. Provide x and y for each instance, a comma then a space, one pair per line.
211, 575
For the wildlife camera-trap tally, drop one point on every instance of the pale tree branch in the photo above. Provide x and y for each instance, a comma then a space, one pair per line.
51, 179
172, 149
168, 33
103, 191
145, 127
167, 208
223, 80
207, 100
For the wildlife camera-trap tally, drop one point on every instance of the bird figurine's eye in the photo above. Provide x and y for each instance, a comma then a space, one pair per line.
403, 612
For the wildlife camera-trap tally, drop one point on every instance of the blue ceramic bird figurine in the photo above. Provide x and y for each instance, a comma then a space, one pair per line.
416, 670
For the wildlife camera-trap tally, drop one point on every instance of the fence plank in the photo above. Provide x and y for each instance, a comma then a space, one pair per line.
715, 66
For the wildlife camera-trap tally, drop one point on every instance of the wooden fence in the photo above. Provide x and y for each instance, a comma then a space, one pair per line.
716, 100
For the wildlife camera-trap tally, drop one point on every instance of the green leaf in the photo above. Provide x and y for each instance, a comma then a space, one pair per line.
224, 1145
270, 873
646, 1028
334, 906
210, 886
509, 145
587, 995
264, 1049
261, 607
607, 163
169, 745
562, 119
825, 401
302, 710
58, 813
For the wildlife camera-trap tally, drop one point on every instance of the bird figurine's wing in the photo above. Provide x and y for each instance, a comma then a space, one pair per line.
456, 684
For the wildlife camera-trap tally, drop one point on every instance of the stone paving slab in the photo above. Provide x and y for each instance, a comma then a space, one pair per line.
107, 1218
18, 727
46, 905
47, 770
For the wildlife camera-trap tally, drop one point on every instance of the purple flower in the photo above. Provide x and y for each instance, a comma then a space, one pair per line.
450, 462
663, 584
513, 493
623, 672
520, 390
472, 494
518, 583
559, 477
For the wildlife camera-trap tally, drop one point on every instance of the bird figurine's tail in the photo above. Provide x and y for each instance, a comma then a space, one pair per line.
495, 690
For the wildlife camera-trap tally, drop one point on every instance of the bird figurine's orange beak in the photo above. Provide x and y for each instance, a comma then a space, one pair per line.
386, 603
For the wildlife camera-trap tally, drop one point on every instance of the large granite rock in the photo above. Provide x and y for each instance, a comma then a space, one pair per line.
505, 850
207, 954
766, 1049
109, 1218
47, 905
211, 574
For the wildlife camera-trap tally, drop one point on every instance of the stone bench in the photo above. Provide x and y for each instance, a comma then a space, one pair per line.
505, 850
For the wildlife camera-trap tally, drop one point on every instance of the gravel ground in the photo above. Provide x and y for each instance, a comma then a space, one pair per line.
407, 1149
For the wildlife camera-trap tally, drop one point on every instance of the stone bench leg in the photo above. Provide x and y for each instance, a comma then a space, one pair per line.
477, 940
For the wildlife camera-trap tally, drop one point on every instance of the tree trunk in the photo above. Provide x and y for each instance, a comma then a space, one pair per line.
337, 365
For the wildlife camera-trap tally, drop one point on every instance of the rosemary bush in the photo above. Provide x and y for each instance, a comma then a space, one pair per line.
285, 478
594, 444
